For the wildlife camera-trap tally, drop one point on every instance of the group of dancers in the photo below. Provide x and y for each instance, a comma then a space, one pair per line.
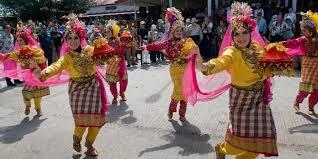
251, 129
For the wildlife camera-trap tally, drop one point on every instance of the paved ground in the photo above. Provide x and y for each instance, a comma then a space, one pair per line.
138, 129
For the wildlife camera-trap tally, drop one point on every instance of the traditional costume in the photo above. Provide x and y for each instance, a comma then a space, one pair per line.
251, 129
30, 57
87, 94
178, 52
116, 69
307, 46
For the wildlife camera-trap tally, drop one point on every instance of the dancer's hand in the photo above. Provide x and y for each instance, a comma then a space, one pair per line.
199, 62
143, 48
43, 76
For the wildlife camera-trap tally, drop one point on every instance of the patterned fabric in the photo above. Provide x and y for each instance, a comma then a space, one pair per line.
176, 74
252, 125
309, 74
30, 92
86, 103
182, 109
312, 100
173, 105
172, 47
122, 88
112, 68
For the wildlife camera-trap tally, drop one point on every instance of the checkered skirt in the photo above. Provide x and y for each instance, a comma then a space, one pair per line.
29, 92
309, 74
251, 125
112, 68
86, 102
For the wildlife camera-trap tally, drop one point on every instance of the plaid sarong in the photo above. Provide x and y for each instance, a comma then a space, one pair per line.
112, 68
86, 103
309, 74
251, 125
30, 92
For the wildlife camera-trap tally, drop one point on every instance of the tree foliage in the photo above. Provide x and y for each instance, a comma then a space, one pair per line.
45, 9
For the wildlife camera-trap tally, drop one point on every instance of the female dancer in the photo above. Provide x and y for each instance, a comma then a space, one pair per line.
307, 46
30, 56
251, 130
87, 95
116, 69
178, 51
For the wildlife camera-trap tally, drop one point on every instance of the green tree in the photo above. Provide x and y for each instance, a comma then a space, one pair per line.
45, 9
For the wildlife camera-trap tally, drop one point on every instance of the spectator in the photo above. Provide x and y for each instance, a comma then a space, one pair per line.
290, 28
131, 55
46, 44
258, 10
161, 30
57, 37
8, 47
268, 13
161, 27
153, 35
142, 36
220, 32
195, 31
186, 30
297, 28
206, 43
261, 24
96, 34
142, 32
291, 15
278, 29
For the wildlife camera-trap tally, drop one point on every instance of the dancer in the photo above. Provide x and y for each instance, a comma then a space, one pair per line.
178, 50
307, 46
30, 56
116, 69
251, 130
87, 95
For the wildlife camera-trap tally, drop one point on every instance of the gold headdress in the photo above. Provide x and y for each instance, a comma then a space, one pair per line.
173, 19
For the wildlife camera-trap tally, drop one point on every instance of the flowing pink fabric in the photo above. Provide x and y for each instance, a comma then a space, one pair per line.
207, 87
197, 87
11, 68
105, 101
56, 80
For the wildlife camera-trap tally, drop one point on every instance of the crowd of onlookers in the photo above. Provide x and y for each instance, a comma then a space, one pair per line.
274, 24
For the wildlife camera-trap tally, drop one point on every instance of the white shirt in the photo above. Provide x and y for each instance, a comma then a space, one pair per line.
8, 43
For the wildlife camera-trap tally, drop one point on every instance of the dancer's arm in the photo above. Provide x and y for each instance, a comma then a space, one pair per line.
156, 46
295, 46
216, 65
54, 68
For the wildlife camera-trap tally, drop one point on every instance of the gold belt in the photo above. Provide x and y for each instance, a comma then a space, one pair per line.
179, 61
84, 79
258, 86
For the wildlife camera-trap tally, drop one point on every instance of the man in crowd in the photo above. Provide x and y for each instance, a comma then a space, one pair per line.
8, 46
46, 44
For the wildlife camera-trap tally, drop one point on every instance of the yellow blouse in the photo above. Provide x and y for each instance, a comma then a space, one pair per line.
242, 65
78, 65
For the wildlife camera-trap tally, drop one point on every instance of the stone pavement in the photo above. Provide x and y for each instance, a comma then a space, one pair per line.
138, 129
